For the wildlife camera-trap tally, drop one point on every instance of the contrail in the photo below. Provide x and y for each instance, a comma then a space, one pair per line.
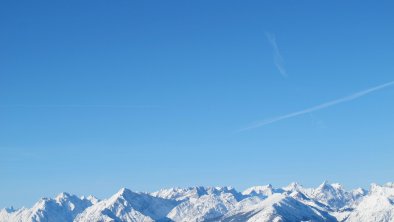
278, 59
318, 107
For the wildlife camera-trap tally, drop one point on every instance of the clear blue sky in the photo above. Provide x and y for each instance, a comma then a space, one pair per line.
98, 95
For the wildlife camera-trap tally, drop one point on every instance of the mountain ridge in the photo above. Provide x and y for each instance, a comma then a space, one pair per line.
327, 202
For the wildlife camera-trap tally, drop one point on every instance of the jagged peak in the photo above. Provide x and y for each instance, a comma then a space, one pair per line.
386, 189
9, 209
337, 186
374, 187
323, 185
91, 198
123, 192
62, 196
265, 190
329, 198
225, 188
267, 186
359, 191
298, 195
200, 189
327, 186
43, 201
389, 184
293, 186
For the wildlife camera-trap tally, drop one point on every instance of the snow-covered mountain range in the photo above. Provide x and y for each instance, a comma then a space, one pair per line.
328, 202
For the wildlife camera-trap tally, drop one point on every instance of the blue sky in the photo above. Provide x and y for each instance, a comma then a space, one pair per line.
98, 95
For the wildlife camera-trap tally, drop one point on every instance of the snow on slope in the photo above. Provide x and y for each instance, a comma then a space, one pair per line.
128, 206
181, 193
333, 195
263, 191
278, 207
377, 206
63, 208
328, 202
215, 203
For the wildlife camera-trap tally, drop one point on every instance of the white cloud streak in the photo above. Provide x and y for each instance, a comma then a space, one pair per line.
278, 59
318, 107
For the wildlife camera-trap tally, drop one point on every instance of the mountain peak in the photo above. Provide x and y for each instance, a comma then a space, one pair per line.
323, 185
389, 184
123, 192
337, 186
90, 198
9, 209
258, 203
62, 196
294, 186
265, 190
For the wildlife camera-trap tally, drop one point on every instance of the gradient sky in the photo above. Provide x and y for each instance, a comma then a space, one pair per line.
99, 95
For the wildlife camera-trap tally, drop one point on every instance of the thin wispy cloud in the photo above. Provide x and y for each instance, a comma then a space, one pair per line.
278, 59
318, 107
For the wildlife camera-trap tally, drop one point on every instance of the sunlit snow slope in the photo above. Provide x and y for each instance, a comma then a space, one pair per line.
327, 202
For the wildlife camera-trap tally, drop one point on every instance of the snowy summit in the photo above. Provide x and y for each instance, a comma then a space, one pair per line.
327, 202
